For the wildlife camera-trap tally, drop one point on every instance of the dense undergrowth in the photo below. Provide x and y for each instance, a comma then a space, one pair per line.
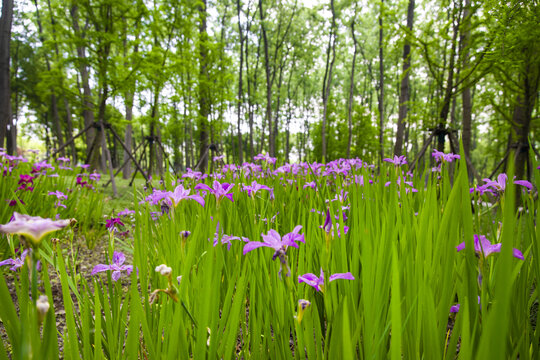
258, 261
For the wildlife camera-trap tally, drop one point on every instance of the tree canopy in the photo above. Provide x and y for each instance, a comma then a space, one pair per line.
315, 80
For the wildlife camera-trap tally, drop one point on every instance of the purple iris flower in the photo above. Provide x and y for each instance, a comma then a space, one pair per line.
14, 202
192, 174
442, 157
37, 167
180, 194
63, 159
327, 226
34, 228
15, 263
117, 267
500, 183
83, 183
157, 196
483, 246
455, 308
59, 195
311, 184
59, 204
397, 160
318, 282
112, 223
126, 212
264, 157
219, 190
254, 187
226, 239
275, 241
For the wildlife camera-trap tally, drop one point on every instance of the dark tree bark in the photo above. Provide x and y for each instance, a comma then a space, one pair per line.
327, 80
405, 85
522, 116
6, 119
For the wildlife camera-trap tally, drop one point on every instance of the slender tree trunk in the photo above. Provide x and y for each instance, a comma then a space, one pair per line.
204, 91
252, 82
449, 91
5, 77
351, 87
240, 90
187, 143
87, 102
57, 127
69, 122
522, 117
129, 100
381, 85
327, 80
278, 103
466, 99
289, 109
405, 86
268, 83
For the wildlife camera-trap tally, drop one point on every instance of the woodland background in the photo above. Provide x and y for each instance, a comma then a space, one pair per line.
301, 81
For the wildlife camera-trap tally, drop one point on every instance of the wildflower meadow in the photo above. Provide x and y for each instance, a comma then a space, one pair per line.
263, 260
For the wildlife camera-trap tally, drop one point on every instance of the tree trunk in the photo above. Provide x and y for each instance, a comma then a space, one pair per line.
204, 91
351, 87
69, 122
405, 86
522, 117
240, 90
252, 88
128, 136
466, 99
268, 83
129, 99
87, 102
449, 91
6, 120
327, 80
381, 85
57, 127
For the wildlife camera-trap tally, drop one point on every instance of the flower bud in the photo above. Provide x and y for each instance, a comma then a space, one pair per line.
42, 305
302, 305
164, 270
